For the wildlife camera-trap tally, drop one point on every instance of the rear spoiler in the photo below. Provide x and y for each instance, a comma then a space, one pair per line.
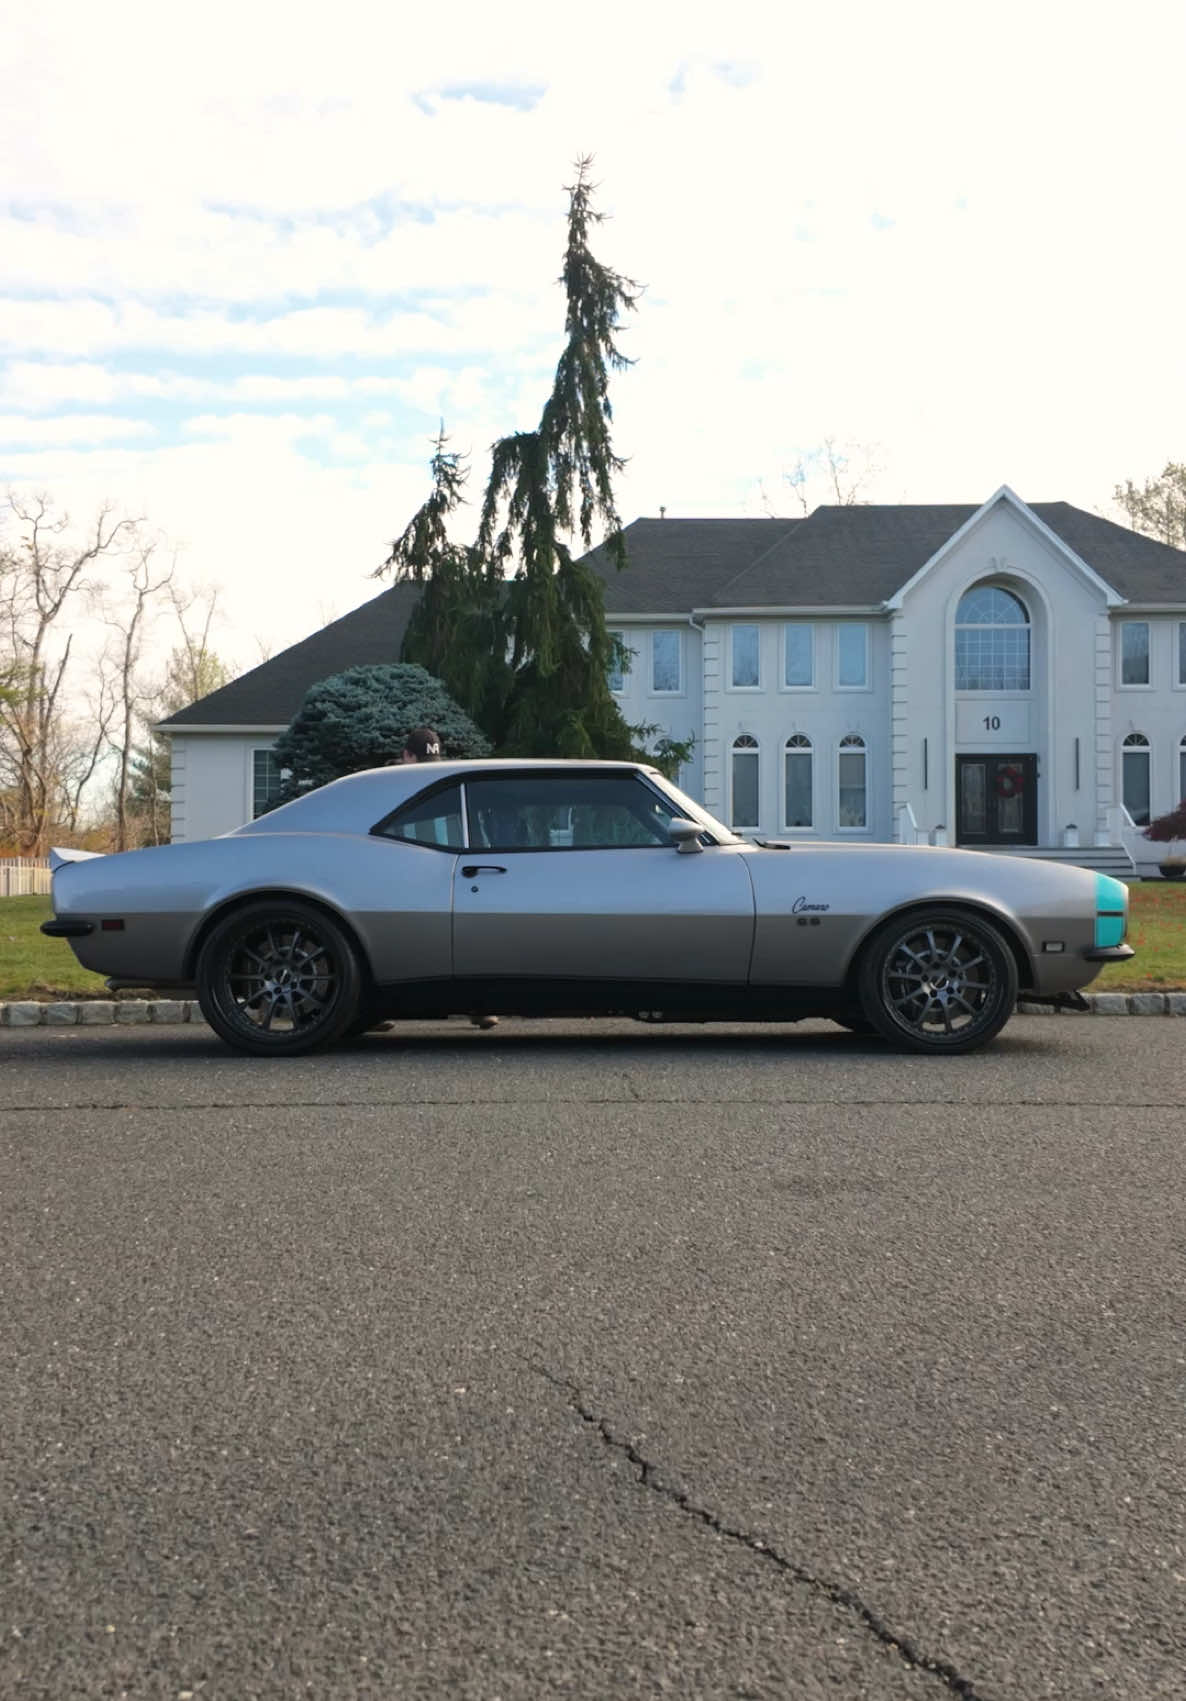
59, 858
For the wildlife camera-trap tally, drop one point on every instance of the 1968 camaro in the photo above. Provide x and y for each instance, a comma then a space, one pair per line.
595, 888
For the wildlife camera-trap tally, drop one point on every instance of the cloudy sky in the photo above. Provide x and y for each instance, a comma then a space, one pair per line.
250, 254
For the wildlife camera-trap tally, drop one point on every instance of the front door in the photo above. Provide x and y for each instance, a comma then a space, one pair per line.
996, 800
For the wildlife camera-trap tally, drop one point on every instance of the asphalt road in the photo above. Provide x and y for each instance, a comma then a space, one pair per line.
594, 1360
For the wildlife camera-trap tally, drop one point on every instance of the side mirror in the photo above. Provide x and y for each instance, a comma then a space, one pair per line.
685, 835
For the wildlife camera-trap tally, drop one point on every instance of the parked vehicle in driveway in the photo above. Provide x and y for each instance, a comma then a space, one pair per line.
559, 888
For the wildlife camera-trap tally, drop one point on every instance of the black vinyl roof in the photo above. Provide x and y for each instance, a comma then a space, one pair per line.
837, 556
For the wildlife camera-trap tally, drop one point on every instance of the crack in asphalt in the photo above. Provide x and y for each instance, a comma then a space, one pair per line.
837, 1593
583, 1100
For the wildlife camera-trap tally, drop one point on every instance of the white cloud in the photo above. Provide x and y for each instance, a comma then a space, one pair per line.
70, 428
291, 244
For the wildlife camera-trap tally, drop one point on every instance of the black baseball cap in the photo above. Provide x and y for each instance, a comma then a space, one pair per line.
424, 743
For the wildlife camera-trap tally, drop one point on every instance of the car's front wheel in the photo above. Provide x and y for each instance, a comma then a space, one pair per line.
940, 980
279, 977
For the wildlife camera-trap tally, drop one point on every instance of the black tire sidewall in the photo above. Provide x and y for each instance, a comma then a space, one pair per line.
218, 1007
1004, 969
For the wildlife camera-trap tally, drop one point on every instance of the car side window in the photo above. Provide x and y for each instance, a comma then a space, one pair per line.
434, 820
545, 812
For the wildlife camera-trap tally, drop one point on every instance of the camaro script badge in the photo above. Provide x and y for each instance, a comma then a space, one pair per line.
801, 904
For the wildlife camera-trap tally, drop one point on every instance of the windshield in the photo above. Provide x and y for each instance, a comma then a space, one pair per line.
692, 810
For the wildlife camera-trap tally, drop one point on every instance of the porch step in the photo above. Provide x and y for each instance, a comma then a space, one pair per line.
1104, 859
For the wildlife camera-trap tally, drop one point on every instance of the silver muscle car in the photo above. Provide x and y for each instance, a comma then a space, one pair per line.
596, 888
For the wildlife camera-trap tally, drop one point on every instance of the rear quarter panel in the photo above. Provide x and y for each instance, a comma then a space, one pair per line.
816, 904
397, 897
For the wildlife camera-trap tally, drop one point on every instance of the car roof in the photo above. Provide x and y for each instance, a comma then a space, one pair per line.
355, 802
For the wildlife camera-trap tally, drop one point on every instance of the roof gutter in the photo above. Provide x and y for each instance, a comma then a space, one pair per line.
799, 610
1130, 608
248, 728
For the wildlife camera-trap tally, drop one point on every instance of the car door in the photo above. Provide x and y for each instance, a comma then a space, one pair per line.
407, 919
572, 875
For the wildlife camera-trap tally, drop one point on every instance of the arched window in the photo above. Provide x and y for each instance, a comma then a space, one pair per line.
745, 782
851, 790
1135, 777
798, 788
992, 641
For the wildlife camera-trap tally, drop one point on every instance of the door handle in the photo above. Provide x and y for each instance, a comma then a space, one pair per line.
473, 868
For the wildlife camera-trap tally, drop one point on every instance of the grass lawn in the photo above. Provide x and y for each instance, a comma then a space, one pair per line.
32, 966
1157, 933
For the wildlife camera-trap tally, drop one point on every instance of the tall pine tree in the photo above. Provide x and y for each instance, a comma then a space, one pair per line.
455, 631
515, 625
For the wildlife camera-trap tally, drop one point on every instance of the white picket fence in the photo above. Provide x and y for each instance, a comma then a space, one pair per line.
22, 876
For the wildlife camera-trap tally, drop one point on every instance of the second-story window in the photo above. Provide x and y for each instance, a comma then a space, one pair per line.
1134, 652
798, 655
852, 656
666, 672
992, 641
743, 646
618, 671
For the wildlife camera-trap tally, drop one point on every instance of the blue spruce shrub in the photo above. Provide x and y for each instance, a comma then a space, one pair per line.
361, 719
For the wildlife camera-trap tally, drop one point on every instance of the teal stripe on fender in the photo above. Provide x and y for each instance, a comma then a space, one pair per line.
1111, 910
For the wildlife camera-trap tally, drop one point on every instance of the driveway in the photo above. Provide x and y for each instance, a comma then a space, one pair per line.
594, 1360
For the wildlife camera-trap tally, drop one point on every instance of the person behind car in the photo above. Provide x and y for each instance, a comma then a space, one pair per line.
423, 744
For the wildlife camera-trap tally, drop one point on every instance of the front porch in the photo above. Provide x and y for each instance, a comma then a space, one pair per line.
1125, 853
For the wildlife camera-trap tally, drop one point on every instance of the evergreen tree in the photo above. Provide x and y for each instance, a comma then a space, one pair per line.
516, 624
455, 631
361, 718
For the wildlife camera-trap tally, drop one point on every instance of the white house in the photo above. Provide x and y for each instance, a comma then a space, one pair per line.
1010, 676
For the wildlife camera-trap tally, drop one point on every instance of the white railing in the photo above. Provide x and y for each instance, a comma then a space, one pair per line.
908, 830
23, 877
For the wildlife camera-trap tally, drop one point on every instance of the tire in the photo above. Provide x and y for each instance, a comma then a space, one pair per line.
939, 980
278, 978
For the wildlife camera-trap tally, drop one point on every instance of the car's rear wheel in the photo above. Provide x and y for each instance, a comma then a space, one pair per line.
279, 977
940, 980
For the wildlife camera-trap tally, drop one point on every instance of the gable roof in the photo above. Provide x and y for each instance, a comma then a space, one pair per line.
1139, 567
858, 557
836, 557
271, 694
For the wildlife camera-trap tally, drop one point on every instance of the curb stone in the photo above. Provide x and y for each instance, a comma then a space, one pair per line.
162, 1012
99, 1012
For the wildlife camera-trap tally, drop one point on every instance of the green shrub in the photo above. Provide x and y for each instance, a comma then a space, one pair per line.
361, 719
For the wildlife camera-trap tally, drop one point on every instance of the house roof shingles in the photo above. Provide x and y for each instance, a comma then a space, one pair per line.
271, 694
836, 557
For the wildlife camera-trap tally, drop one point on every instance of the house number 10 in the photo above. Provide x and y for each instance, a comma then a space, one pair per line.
992, 723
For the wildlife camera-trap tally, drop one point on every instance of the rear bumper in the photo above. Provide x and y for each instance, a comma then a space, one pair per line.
66, 929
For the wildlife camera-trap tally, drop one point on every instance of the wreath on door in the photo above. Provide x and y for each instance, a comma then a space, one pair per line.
1010, 780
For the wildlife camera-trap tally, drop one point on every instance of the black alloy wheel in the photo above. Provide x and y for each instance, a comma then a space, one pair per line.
941, 980
278, 978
